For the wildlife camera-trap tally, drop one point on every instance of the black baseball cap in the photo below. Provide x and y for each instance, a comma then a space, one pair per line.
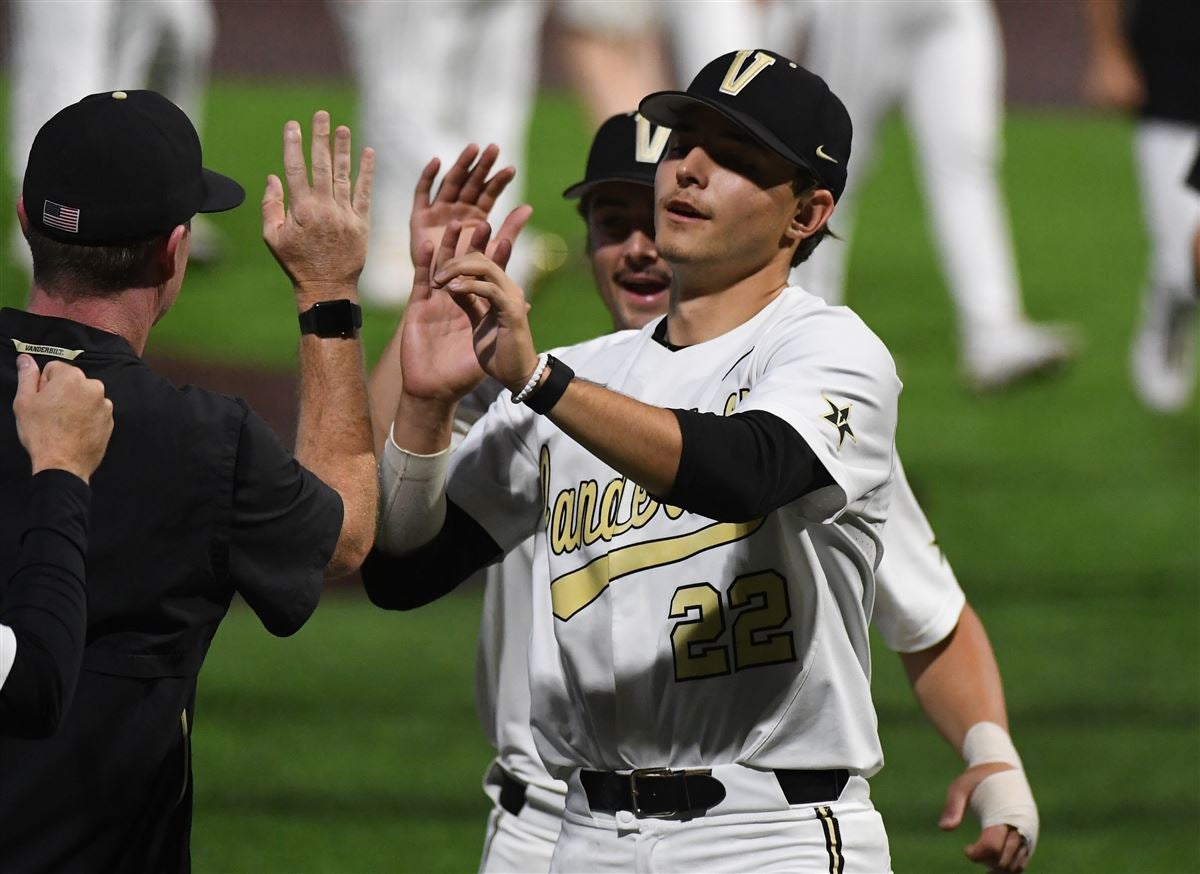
787, 108
625, 149
119, 167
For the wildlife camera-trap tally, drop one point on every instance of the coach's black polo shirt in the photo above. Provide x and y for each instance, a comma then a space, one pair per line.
195, 499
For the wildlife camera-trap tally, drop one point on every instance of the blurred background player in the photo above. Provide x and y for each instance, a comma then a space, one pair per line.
432, 76
613, 49
65, 50
920, 610
942, 64
1145, 59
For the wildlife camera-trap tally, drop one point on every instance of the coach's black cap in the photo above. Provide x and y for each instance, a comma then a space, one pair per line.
119, 167
626, 149
786, 107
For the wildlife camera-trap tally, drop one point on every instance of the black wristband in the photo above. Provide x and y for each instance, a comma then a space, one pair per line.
546, 395
332, 318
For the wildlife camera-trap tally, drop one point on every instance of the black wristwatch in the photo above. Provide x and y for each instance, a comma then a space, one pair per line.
332, 318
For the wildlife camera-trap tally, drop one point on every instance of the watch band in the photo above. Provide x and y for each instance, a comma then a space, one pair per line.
332, 318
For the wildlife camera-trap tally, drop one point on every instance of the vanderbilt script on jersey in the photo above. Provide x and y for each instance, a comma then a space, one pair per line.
664, 638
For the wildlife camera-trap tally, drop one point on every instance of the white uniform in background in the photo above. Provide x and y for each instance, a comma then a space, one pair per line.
67, 49
696, 30
942, 64
432, 76
740, 647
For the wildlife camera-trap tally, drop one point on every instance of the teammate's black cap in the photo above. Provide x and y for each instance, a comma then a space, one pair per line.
786, 107
626, 149
119, 167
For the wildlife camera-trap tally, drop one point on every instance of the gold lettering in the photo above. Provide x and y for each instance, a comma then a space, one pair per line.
650, 142
642, 508
736, 78
610, 503
589, 491
564, 532
544, 476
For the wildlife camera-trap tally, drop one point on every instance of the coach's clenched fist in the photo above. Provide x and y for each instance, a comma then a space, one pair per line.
63, 418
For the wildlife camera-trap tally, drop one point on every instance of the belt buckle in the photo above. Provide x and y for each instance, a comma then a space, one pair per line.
633, 789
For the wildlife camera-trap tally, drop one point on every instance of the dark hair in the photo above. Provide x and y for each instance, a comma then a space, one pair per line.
805, 183
72, 270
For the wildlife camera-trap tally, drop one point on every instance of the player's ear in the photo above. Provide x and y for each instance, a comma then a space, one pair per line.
22, 218
813, 211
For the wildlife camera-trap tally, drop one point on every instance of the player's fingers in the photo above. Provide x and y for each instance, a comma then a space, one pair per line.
1008, 853
28, 378
475, 308
1022, 860
501, 251
341, 165
986, 849
480, 235
474, 264
452, 182
956, 804
464, 285
294, 169
421, 289
513, 224
58, 370
272, 205
495, 187
322, 170
444, 253
362, 186
477, 178
425, 184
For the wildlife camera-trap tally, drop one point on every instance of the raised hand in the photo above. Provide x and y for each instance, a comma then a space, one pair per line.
437, 353
498, 313
320, 239
63, 418
466, 195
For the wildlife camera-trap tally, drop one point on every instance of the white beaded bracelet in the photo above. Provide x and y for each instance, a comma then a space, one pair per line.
520, 396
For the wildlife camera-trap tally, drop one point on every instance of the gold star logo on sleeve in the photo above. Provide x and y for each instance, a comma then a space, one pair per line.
839, 417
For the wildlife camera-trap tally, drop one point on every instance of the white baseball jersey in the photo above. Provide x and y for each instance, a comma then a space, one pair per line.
663, 638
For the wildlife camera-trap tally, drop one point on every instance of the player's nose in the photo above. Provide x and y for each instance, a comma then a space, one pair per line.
692, 168
640, 249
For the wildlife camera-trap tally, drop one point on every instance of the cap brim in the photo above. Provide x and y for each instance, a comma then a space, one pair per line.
579, 189
220, 192
668, 107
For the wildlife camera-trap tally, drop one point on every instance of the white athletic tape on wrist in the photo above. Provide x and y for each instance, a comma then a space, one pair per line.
1004, 798
988, 742
413, 491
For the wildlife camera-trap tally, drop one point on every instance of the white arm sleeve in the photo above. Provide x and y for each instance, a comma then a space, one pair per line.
8, 652
917, 598
412, 491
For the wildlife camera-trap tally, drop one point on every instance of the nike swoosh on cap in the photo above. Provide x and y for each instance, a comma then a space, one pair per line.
821, 153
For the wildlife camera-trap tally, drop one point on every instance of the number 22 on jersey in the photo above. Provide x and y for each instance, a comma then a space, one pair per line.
757, 603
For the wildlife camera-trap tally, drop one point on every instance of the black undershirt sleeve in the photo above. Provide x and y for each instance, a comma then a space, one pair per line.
405, 582
45, 605
739, 467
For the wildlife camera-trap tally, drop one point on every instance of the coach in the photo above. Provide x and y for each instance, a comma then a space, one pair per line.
196, 498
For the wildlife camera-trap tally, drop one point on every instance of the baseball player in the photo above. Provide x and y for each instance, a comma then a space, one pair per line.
1146, 59
706, 516
942, 65
431, 76
919, 604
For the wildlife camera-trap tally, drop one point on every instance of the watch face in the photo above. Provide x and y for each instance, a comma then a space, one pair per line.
334, 318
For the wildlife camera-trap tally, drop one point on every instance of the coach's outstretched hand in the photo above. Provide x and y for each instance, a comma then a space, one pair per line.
63, 418
320, 239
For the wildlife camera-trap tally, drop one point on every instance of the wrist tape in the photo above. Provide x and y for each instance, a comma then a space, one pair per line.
1003, 798
412, 491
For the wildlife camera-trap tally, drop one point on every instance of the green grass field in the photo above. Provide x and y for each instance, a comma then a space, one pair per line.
1071, 515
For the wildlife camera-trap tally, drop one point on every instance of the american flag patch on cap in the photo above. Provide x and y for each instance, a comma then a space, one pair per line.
65, 218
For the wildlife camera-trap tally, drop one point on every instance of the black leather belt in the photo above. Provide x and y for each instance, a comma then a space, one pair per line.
662, 794
512, 793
